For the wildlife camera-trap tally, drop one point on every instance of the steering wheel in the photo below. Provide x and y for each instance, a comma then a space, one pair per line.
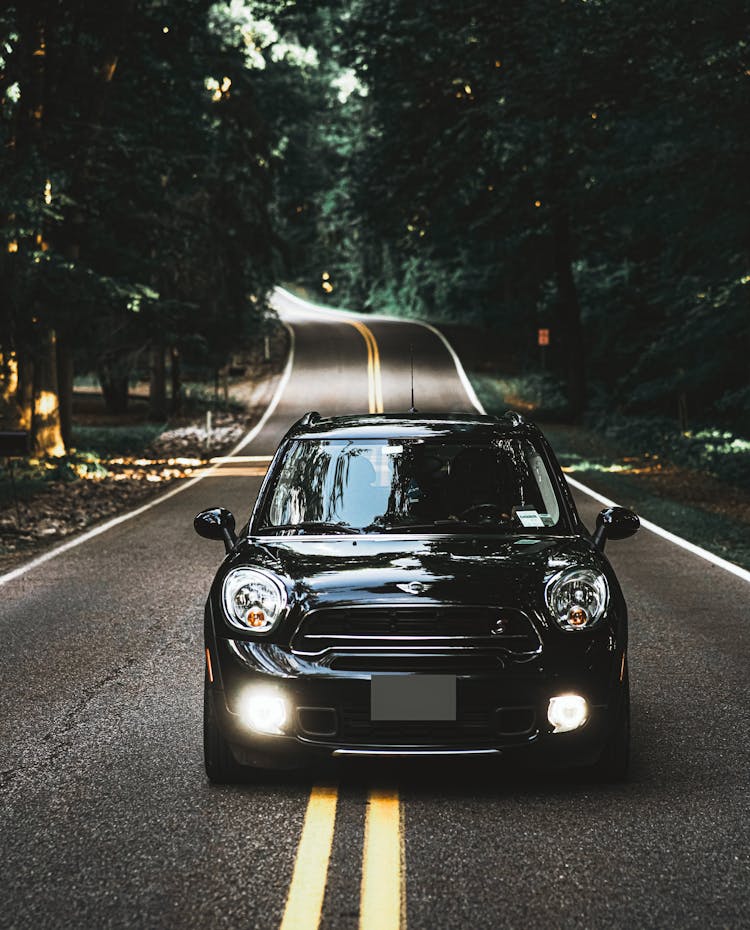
484, 513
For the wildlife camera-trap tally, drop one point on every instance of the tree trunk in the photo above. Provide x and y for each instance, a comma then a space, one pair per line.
45, 418
570, 331
25, 391
65, 391
176, 378
114, 383
9, 413
158, 387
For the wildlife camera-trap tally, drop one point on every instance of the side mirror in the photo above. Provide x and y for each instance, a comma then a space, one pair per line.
614, 523
216, 523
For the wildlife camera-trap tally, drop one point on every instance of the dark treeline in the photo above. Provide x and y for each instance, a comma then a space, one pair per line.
134, 201
581, 165
577, 165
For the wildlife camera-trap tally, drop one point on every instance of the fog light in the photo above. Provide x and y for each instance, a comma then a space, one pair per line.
263, 711
567, 712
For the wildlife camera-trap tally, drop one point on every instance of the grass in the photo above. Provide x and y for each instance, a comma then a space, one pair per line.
623, 481
92, 445
197, 398
105, 441
675, 479
541, 396
22, 479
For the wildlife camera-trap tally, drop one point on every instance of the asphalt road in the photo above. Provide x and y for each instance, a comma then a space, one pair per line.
106, 819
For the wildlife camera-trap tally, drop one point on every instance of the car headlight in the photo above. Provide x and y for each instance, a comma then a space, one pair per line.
578, 598
253, 600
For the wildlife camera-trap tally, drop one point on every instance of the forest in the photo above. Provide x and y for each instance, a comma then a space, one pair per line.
579, 166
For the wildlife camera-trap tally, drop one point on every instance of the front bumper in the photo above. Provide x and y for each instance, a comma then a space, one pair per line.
500, 713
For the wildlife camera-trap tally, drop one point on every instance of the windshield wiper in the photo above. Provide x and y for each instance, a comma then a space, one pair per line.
312, 526
439, 526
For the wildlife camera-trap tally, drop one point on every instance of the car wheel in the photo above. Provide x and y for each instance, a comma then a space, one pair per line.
221, 766
612, 765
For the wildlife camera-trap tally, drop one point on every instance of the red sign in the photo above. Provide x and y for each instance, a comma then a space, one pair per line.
543, 337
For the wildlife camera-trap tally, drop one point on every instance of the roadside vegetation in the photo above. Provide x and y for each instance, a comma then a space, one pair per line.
117, 462
693, 483
574, 169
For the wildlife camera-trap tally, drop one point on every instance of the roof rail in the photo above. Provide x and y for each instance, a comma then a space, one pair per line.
307, 420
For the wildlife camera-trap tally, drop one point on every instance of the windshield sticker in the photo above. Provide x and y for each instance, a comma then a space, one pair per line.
529, 518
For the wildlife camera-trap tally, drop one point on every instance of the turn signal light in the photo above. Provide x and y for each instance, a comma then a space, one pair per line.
577, 616
256, 618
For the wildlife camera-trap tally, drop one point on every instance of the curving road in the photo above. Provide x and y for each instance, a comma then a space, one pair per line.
106, 819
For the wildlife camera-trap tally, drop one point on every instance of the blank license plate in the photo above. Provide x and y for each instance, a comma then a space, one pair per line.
413, 697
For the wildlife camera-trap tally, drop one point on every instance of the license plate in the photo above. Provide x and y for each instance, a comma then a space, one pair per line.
413, 697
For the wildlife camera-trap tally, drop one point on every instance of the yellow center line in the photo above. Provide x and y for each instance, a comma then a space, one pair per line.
370, 369
382, 893
374, 375
304, 902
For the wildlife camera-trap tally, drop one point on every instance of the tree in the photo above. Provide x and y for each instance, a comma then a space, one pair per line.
135, 191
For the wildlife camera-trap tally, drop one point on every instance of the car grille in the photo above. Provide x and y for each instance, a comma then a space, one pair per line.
415, 630
351, 725
472, 728
455, 663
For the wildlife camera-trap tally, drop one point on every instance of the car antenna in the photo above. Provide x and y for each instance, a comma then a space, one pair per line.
412, 409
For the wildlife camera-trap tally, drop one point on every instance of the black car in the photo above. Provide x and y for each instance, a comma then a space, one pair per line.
412, 585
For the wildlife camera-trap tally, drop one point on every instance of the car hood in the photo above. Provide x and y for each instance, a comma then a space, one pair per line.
341, 570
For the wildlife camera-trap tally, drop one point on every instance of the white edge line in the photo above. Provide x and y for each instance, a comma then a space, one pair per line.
471, 394
380, 318
462, 376
116, 521
671, 537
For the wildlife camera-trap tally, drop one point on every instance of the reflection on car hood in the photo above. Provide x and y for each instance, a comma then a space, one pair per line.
481, 569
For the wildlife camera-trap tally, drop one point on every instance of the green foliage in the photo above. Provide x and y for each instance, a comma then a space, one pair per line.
31, 476
579, 166
199, 399
108, 441
719, 452
541, 395
135, 182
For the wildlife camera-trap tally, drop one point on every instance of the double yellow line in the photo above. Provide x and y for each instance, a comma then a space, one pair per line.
382, 899
374, 377
382, 896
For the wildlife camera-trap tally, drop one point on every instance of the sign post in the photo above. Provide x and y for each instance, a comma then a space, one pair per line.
543, 342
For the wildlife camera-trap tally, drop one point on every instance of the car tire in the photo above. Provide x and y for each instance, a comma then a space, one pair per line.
221, 766
612, 765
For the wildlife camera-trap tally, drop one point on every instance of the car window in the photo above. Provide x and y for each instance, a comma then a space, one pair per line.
386, 485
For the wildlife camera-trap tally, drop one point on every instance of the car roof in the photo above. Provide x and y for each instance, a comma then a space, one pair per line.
465, 427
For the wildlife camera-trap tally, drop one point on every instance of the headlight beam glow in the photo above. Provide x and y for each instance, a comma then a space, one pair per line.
567, 712
264, 711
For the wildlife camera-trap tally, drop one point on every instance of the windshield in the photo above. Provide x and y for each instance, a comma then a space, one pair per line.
328, 486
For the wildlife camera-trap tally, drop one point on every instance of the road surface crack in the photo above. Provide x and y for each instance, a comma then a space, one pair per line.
55, 738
